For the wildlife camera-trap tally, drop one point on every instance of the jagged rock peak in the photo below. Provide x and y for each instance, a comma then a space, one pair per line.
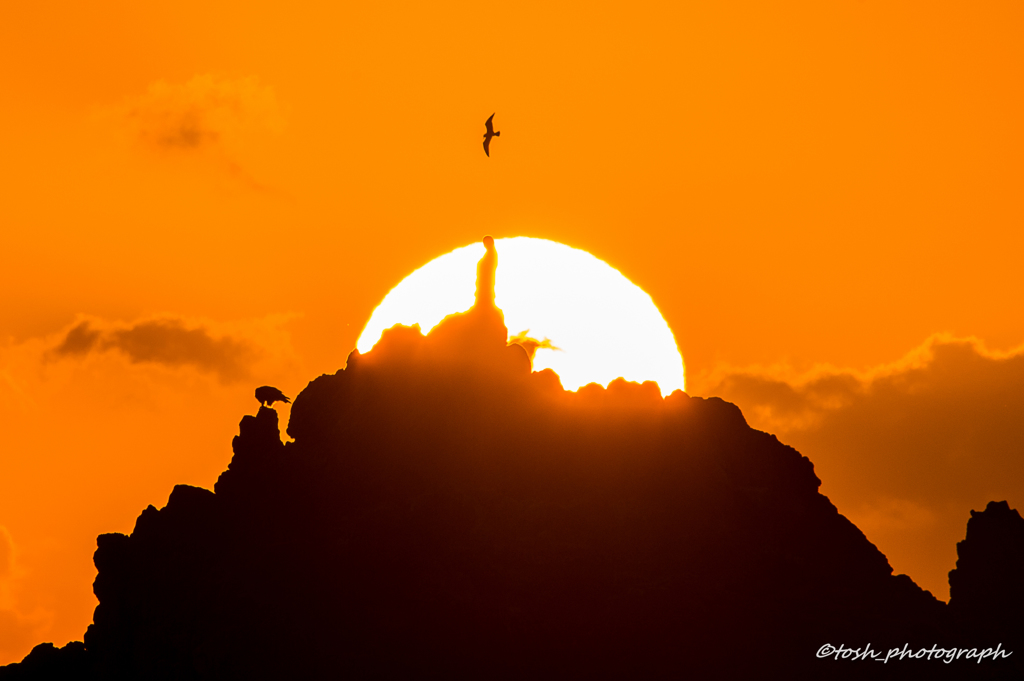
988, 581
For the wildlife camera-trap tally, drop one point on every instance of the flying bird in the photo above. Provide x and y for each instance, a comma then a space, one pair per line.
268, 395
489, 134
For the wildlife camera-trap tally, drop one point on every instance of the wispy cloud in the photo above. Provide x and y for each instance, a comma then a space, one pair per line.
203, 111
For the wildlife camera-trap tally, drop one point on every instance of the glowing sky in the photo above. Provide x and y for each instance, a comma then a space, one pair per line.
809, 192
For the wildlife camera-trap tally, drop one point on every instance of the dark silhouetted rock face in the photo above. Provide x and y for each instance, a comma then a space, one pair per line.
49, 662
986, 589
442, 512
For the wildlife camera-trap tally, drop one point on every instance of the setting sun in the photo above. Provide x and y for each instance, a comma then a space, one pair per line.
600, 324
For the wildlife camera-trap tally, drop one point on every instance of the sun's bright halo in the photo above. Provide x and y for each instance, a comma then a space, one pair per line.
602, 326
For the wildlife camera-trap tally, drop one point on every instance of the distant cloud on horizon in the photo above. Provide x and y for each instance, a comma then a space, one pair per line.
169, 342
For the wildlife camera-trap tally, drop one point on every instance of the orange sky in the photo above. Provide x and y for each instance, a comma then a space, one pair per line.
796, 186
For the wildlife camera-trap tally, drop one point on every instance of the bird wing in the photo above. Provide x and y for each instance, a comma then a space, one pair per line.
487, 146
490, 125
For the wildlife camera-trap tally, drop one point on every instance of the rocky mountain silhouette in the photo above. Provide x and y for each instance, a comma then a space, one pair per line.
442, 511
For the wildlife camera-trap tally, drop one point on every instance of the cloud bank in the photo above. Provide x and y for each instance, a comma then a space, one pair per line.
906, 449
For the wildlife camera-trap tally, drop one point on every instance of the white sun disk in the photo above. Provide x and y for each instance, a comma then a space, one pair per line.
603, 325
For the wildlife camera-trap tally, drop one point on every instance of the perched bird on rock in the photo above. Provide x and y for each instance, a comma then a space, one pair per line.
268, 395
489, 134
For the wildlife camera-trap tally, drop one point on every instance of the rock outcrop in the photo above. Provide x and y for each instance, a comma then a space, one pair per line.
442, 511
986, 589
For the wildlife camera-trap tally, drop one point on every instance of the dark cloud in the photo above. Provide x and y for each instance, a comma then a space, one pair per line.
169, 342
906, 450
183, 130
79, 340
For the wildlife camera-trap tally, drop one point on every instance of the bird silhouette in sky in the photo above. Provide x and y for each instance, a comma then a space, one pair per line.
268, 395
489, 134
